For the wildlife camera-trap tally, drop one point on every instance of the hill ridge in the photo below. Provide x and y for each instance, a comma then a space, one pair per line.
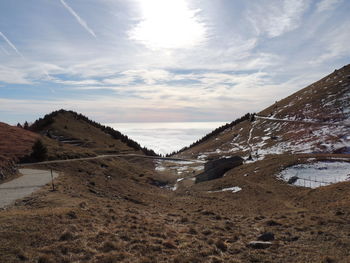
288, 125
43, 125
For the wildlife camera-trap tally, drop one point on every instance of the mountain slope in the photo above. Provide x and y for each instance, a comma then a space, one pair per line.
315, 119
15, 143
71, 128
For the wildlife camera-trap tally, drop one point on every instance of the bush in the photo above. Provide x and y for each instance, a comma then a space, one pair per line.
39, 151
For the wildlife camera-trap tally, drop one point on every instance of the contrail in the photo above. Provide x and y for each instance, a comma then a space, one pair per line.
78, 18
10, 44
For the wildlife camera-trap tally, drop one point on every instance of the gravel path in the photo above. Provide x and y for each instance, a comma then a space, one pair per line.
23, 186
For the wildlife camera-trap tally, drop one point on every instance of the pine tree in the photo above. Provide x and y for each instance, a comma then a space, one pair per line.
26, 126
39, 151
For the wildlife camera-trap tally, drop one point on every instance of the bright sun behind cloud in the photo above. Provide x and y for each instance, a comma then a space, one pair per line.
168, 24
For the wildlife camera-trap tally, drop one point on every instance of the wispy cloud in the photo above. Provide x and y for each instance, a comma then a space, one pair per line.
10, 44
327, 5
276, 18
335, 44
13, 76
78, 18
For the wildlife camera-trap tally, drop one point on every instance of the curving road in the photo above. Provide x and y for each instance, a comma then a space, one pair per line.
23, 186
33, 179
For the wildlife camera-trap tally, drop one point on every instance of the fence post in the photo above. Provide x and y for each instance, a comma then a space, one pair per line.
53, 186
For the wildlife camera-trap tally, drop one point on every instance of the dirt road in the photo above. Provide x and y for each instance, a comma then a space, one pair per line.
23, 186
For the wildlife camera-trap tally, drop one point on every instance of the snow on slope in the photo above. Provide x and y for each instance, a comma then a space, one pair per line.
315, 119
233, 189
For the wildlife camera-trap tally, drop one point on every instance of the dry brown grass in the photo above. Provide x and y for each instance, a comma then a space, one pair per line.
93, 218
92, 138
15, 142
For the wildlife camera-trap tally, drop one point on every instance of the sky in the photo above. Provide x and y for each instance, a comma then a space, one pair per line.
164, 60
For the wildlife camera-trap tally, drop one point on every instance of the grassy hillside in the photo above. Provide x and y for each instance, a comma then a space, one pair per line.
15, 144
72, 128
107, 211
327, 100
215, 132
312, 120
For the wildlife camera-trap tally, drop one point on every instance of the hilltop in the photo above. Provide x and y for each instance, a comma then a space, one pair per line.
69, 127
66, 135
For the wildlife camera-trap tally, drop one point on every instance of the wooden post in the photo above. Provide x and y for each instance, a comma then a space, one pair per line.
53, 186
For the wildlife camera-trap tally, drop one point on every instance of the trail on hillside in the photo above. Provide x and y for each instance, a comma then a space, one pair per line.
301, 121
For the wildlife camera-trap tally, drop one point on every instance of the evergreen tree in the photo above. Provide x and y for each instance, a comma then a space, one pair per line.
39, 151
26, 125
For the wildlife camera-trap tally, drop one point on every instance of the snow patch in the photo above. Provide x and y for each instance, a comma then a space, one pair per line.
233, 189
316, 174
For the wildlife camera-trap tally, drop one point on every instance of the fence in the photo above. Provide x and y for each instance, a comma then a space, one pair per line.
312, 182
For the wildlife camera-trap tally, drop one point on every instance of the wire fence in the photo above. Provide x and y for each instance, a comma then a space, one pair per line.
308, 182
312, 182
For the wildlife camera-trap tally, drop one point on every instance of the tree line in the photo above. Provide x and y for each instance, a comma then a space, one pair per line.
248, 116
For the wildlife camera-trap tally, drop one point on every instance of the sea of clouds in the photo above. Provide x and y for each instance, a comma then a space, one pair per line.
165, 137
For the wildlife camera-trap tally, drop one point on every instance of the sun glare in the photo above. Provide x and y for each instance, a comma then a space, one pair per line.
168, 24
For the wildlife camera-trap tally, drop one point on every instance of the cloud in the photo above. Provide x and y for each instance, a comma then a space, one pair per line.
76, 82
227, 69
196, 90
78, 18
214, 96
13, 76
10, 44
148, 76
335, 44
327, 5
274, 18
